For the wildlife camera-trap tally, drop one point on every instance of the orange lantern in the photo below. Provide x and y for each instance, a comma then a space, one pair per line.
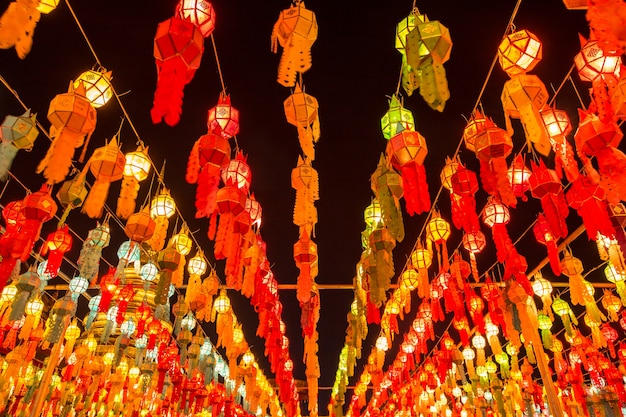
301, 110
305, 255
463, 187
140, 226
518, 175
519, 52
136, 168
304, 179
558, 125
107, 165
406, 151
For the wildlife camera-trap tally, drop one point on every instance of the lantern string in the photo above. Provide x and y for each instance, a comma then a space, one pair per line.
217, 62
577, 93
24, 106
558, 90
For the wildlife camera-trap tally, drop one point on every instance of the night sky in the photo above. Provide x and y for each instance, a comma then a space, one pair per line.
355, 70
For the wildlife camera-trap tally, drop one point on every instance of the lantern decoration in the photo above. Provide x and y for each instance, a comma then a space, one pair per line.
72, 117
588, 199
107, 165
611, 304
16, 132
210, 152
301, 110
518, 175
26, 284
305, 256
197, 266
98, 89
72, 194
463, 187
594, 66
18, 240
543, 289
379, 264
17, 25
396, 119
33, 310
600, 138
476, 307
474, 242
492, 145
178, 48
60, 314
386, 184
558, 125
563, 310
223, 119
524, 95
425, 46
162, 207
406, 151
167, 260
127, 253
140, 226
136, 169
296, 31
198, 12
543, 234
57, 244
496, 215
546, 186
618, 277
422, 259
618, 97
438, 232
304, 179
606, 20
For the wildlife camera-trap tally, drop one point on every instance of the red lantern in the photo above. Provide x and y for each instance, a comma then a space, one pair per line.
223, 119
544, 235
546, 186
588, 199
407, 151
305, 256
518, 175
178, 48
464, 186
474, 242
108, 287
58, 243
198, 12
593, 65
558, 126
496, 215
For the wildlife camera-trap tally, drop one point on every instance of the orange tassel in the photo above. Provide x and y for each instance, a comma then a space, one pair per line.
58, 160
94, 203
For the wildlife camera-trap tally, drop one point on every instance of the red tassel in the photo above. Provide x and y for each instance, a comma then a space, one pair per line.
486, 178
373, 313
499, 173
415, 189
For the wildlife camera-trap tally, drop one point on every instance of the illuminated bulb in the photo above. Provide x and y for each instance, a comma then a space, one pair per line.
382, 344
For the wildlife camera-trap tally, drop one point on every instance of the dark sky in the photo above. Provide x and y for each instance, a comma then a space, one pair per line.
355, 68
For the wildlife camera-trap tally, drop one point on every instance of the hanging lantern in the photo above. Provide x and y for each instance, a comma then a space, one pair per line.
16, 132
301, 110
543, 234
57, 244
464, 186
107, 165
296, 31
558, 126
612, 305
178, 48
388, 188
396, 119
618, 277
17, 25
305, 180
237, 172
406, 151
474, 242
422, 259
519, 52
254, 210
46, 6
98, 89
588, 199
140, 226
438, 231
72, 194
198, 12
518, 175
72, 117
210, 152
546, 186
182, 242
593, 65
223, 119
496, 215
197, 266
563, 310
162, 207
168, 260
91, 252
136, 169
78, 286
305, 255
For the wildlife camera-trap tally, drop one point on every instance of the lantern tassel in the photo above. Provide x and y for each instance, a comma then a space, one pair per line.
7, 153
56, 164
17, 26
168, 96
94, 203
415, 189
434, 84
128, 194
206, 191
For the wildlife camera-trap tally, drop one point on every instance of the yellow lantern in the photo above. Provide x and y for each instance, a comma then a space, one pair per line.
162, 207
448, 171
182, 242
222, 303
409, 279
437, 229
519, 52
46, 6
373, 215
136, 169
98, 89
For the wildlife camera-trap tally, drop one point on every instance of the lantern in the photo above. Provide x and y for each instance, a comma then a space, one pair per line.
562, 309
618, 277
168, 260
136, 169
198, 12
438, 231
593, 65
98, 89
237, 172
162, 207
72, 117
223, 119
210, 152
91, 252
197, 266
396, 119
545, 324
518, 175
72, 194
422, 259
296, 31
16, 132
304, 179
558, 125
544, 235
46, 6
588, 199
301, 110
543, 289
107, 165
546, 186
388, 188
139, 226
406, 151
612, 305
178, 48
305, 255
519, 52
474, 242
464, 186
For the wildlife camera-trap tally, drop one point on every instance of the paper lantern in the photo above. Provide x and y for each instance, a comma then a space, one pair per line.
617, 277
91, 252
546, 186
168, 260
98, 89
210, 152
17, 26
422, 259
618, 98
388, 188
178, 48
198, 12
438, 230
563, 310
593, 65
222, 303
296, 31
305, 255
305, 180
496, 215
463, 187
16, 132
72, 194
396, 119
136, 169
474, 242
254, 210
72, 117
543, 234
107, 165
46, 6
237, 172
301, 110
519, 52
182, 242
588, 199
223, 119
518, 175
57, 245
558, 126
139, 226
406, 151
612, 305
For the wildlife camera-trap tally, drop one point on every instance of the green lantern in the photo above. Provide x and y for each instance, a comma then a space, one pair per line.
396, 119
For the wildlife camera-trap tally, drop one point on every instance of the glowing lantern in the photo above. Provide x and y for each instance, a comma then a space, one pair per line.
544, 235
178, 48
474, 242
373, 215
254, 210
612, 304
139, 226
182, 242
618, 277
237, 172
388, 188
464, 186
543, 289
198, 12
16, 132
593, 65
438, 231
305, 256
136, 169
78, 285
546, 186
98, 89
210, 152
162, 207
422, 259
407, 151
58, 243
588, 199
558, 125
409, 279
448, 171
301, 110
305, 180
479, 343
72, 117
223, 119
382, 343
107, 165
222, 303
428, 47
46, 6
396, 119
475, 126
296, 31
518, 175
563, 309
469, 355
519, 52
